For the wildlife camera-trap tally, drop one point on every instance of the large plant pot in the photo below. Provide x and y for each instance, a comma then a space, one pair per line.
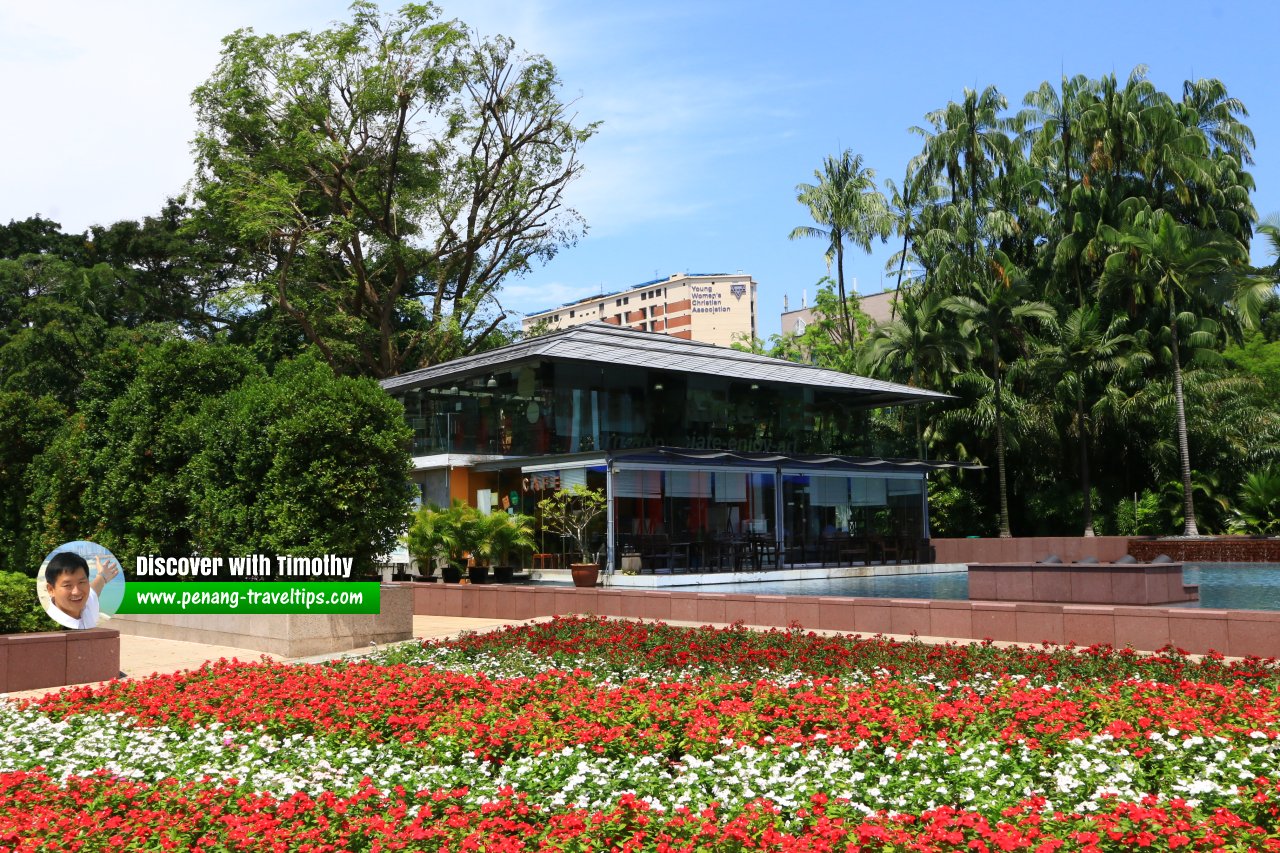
478, 574
503, 574
451, 574
585, 574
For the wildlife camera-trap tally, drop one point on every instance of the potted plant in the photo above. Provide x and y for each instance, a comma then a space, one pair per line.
443, 537
497, 536
573, 513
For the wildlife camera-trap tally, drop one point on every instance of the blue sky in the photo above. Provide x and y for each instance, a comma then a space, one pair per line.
712, 111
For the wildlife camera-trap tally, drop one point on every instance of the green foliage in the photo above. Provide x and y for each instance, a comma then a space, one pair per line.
957, 511
27, 425
1146, 517
1126, 210
20, 610
1257, 509
202, 451
573, 512
1258, 356
126, 474
299, 462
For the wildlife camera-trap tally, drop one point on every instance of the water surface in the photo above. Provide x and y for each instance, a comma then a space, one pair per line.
1231, 586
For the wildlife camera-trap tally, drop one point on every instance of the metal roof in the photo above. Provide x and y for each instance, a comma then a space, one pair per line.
603, 343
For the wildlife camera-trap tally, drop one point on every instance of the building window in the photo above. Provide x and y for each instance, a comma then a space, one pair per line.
570, 313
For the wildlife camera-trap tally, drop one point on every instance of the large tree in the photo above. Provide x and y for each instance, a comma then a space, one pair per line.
385, 177
1187, 277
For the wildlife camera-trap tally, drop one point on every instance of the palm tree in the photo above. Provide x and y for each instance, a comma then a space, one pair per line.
920, 348
1079, 355
1174, 158
994, 310
1218, 117
907, 206
847, 207
969, 145
1187, 274
1112, 126
1051, 126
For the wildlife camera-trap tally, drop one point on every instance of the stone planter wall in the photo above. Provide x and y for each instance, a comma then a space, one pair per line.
1230, 632
291, 635
56, 659
1090, 583
1031, 549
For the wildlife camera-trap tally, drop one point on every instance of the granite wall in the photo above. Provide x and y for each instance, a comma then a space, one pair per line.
55, 659
1230, 632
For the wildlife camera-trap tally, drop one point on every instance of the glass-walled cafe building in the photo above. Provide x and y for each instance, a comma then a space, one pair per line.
710, 459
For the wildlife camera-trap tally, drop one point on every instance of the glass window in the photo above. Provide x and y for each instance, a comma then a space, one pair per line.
841, 519
690, 519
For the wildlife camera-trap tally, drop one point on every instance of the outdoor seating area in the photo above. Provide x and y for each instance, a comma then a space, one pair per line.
659, 553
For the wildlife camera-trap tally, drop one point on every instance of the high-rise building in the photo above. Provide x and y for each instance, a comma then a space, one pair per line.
715, 308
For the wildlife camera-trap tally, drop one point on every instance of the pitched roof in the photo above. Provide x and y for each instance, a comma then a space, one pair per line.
603, 343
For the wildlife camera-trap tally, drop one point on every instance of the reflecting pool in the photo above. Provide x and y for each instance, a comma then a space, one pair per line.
1233, 586
1236, 586
943, 585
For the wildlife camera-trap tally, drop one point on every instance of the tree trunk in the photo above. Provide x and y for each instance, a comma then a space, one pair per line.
1004, 490
1184, 453
897, 288
844, 303
1086, 486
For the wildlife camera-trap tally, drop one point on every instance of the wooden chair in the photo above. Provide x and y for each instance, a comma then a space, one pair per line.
855, 548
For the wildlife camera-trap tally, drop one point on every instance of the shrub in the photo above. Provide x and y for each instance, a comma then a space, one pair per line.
20, 609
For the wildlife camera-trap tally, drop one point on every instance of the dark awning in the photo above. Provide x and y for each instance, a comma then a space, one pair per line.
687, 457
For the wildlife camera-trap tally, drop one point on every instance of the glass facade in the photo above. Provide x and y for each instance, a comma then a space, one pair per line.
690, 518
674, 511
573, 407
839, 519
695, 519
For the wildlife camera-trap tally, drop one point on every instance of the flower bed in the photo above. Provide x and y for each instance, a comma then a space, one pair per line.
596, 735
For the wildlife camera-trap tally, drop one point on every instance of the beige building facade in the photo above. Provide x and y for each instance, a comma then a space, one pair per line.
713, 308
875, 305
